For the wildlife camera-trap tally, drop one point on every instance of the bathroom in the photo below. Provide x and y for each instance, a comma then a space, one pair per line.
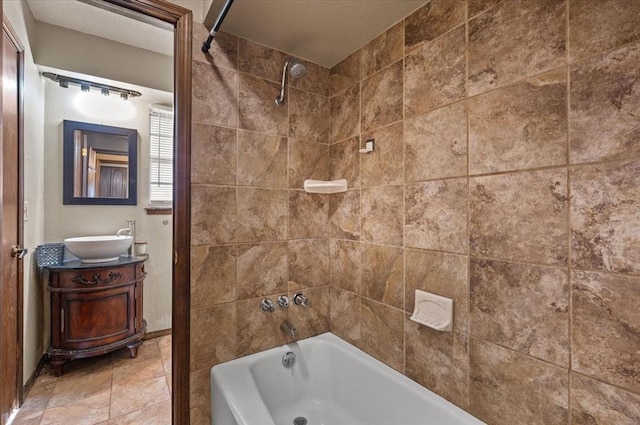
505, 176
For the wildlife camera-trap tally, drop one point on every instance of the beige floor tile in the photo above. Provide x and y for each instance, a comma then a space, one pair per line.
157, 414
135, 395
89, 411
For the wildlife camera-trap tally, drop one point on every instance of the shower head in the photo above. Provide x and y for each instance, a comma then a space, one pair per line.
296, 70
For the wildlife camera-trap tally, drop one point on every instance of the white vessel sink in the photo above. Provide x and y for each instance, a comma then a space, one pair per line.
98, 249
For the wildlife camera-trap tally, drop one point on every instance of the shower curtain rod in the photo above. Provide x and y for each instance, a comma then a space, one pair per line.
207, 44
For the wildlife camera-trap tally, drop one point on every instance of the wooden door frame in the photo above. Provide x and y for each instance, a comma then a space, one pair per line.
182, 21
19, 47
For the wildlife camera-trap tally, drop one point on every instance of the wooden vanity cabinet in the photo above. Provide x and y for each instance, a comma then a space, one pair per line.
95, 309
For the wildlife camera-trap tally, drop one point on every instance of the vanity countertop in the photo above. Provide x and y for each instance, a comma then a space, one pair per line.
77, 264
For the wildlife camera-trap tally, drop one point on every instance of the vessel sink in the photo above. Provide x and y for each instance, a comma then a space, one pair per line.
98, 249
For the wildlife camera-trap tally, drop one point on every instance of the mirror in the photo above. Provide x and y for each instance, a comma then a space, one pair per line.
100, 164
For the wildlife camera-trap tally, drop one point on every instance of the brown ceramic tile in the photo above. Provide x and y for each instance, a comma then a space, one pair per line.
382, 215
308, 263
223, 52
214, 99
438, 361
381, 51
344, 215
506, 387
382, 333
442, 274
307, 160
136, 395
157, 414
262, 160
90, 410
213, 154
597, 27
213, 215
604, 104
147, 365
213, 332
595, 403
316, 79
92, 384
429, 84
313, 320
383, 274
383, 165
200, 415
345, 74
436, 215
520, 215
164, 344
260, 60
262, 269
200, 387
262, 214
436, 144
308, 116
345, 314
497, 57
381, 98
257, 330
308, 215
520, 126
344, 114
605, 217
605, 328
213, 275
432, 20
478, 6
345, 162
345, 267
257, 109
523, 307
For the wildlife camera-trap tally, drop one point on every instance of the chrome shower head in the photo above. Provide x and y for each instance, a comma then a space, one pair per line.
296, 70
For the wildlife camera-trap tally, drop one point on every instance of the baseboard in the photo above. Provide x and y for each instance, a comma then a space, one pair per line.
156, 334
32, 379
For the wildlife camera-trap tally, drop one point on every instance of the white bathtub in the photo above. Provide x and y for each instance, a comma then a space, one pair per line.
331, 383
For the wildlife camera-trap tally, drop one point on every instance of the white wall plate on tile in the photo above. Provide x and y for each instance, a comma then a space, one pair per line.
433, 311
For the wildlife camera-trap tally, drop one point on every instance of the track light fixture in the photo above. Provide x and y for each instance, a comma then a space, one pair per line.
86, 85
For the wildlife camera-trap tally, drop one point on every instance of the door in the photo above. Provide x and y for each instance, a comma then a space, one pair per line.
10, 229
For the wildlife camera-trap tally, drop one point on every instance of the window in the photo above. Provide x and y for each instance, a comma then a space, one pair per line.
161, 155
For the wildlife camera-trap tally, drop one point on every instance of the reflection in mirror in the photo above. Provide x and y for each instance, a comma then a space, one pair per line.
99, 164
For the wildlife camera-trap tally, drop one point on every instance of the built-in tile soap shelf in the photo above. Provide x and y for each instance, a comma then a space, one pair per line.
323, 186
433, 311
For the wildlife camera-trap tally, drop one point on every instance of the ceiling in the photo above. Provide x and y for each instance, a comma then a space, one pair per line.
321, 31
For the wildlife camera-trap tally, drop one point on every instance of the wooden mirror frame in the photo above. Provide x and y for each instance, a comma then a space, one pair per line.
181, 20
69, 163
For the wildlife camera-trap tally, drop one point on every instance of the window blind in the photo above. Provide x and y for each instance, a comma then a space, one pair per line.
161, 156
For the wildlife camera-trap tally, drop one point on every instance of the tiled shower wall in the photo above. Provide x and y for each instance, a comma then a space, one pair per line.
506, 175
255, 233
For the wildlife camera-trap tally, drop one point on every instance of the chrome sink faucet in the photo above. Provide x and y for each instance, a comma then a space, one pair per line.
288, 329
130, 230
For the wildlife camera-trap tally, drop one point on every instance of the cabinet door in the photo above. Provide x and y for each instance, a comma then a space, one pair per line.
91, 319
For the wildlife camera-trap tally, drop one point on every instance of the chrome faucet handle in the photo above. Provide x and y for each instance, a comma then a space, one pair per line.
301, 300
267, 305
283, 301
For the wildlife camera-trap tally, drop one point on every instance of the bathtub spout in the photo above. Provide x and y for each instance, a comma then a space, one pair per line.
288, 329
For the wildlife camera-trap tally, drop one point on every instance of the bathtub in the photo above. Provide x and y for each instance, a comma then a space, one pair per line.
330, 383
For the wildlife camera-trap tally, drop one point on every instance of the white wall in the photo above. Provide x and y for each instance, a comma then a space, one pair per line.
62, 221
34, 341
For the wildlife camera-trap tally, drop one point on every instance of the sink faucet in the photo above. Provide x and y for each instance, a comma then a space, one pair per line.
131, 231
288, 329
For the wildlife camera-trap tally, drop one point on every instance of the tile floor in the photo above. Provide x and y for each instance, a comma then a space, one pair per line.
113, 389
